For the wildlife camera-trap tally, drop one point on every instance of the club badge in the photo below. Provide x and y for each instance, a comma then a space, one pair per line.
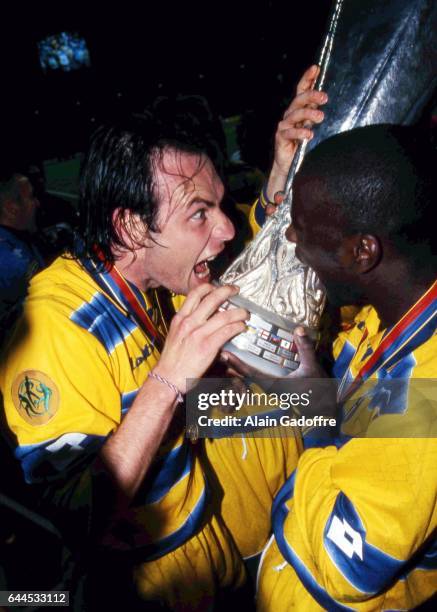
35, 396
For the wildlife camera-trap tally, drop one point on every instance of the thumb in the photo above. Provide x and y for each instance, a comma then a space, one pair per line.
279, 197
305, 348
270, 209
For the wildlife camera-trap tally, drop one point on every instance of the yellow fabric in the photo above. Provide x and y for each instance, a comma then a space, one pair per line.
191, 575
250, 472
177, 301
256, 211
387, 484
396, 500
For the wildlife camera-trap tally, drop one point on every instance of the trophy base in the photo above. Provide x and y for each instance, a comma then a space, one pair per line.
268, 344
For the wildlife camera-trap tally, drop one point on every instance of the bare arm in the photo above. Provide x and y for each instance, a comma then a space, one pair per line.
196, 334
295, 126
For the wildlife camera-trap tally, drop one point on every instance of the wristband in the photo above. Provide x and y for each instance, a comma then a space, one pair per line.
263, 197
164, 381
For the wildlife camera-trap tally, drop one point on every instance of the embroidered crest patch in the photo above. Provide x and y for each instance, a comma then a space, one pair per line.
35, 396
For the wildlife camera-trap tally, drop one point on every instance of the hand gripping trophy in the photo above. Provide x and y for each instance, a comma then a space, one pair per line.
378, 64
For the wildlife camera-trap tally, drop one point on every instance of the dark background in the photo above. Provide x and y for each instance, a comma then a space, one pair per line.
242, 56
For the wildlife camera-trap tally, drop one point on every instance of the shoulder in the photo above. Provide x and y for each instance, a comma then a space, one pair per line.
16, 258
355, 326
60, 288
47, 318
425, 359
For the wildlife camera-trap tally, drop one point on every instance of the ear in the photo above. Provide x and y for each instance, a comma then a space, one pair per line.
367, 252
130, 228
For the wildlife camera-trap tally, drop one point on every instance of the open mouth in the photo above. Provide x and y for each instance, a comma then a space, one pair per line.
201, 269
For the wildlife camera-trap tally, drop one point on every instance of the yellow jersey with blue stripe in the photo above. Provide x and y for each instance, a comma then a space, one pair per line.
355, 524
257, 215
70, 373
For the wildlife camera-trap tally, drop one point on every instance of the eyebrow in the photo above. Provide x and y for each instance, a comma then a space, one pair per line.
208, 203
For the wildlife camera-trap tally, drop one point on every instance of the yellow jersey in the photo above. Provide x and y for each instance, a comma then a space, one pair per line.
355, 524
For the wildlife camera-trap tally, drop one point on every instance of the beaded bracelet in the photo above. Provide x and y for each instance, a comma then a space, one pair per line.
164, 381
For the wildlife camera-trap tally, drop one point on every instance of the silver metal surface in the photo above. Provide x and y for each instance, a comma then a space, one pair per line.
383, 66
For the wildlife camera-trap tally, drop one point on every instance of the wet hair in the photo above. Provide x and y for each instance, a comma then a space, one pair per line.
193, 113
383, 179
118, 172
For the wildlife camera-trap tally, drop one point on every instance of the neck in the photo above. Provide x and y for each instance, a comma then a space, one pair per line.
133, 269
393, 298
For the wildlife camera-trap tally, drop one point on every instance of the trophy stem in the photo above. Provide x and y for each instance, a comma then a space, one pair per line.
324, 59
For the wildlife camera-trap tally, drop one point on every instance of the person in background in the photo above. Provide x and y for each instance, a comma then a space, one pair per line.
20, 258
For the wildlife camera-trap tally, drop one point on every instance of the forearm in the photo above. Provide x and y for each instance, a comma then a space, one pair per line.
276, 181
295, 127
196, 333
129, 452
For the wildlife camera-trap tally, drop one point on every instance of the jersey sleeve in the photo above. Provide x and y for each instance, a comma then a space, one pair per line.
349, 520
60, 396
257, 214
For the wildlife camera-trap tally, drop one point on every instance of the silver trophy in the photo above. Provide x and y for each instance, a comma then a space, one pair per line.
378, 65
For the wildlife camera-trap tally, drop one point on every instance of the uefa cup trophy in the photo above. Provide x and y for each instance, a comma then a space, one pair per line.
378, 65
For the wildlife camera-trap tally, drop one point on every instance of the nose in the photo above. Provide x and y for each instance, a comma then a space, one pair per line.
224, 229
290, 233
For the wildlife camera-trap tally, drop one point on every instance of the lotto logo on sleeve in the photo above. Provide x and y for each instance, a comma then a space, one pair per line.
35, 396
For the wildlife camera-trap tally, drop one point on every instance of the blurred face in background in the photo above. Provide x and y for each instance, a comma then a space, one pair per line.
29, 204
19, 205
